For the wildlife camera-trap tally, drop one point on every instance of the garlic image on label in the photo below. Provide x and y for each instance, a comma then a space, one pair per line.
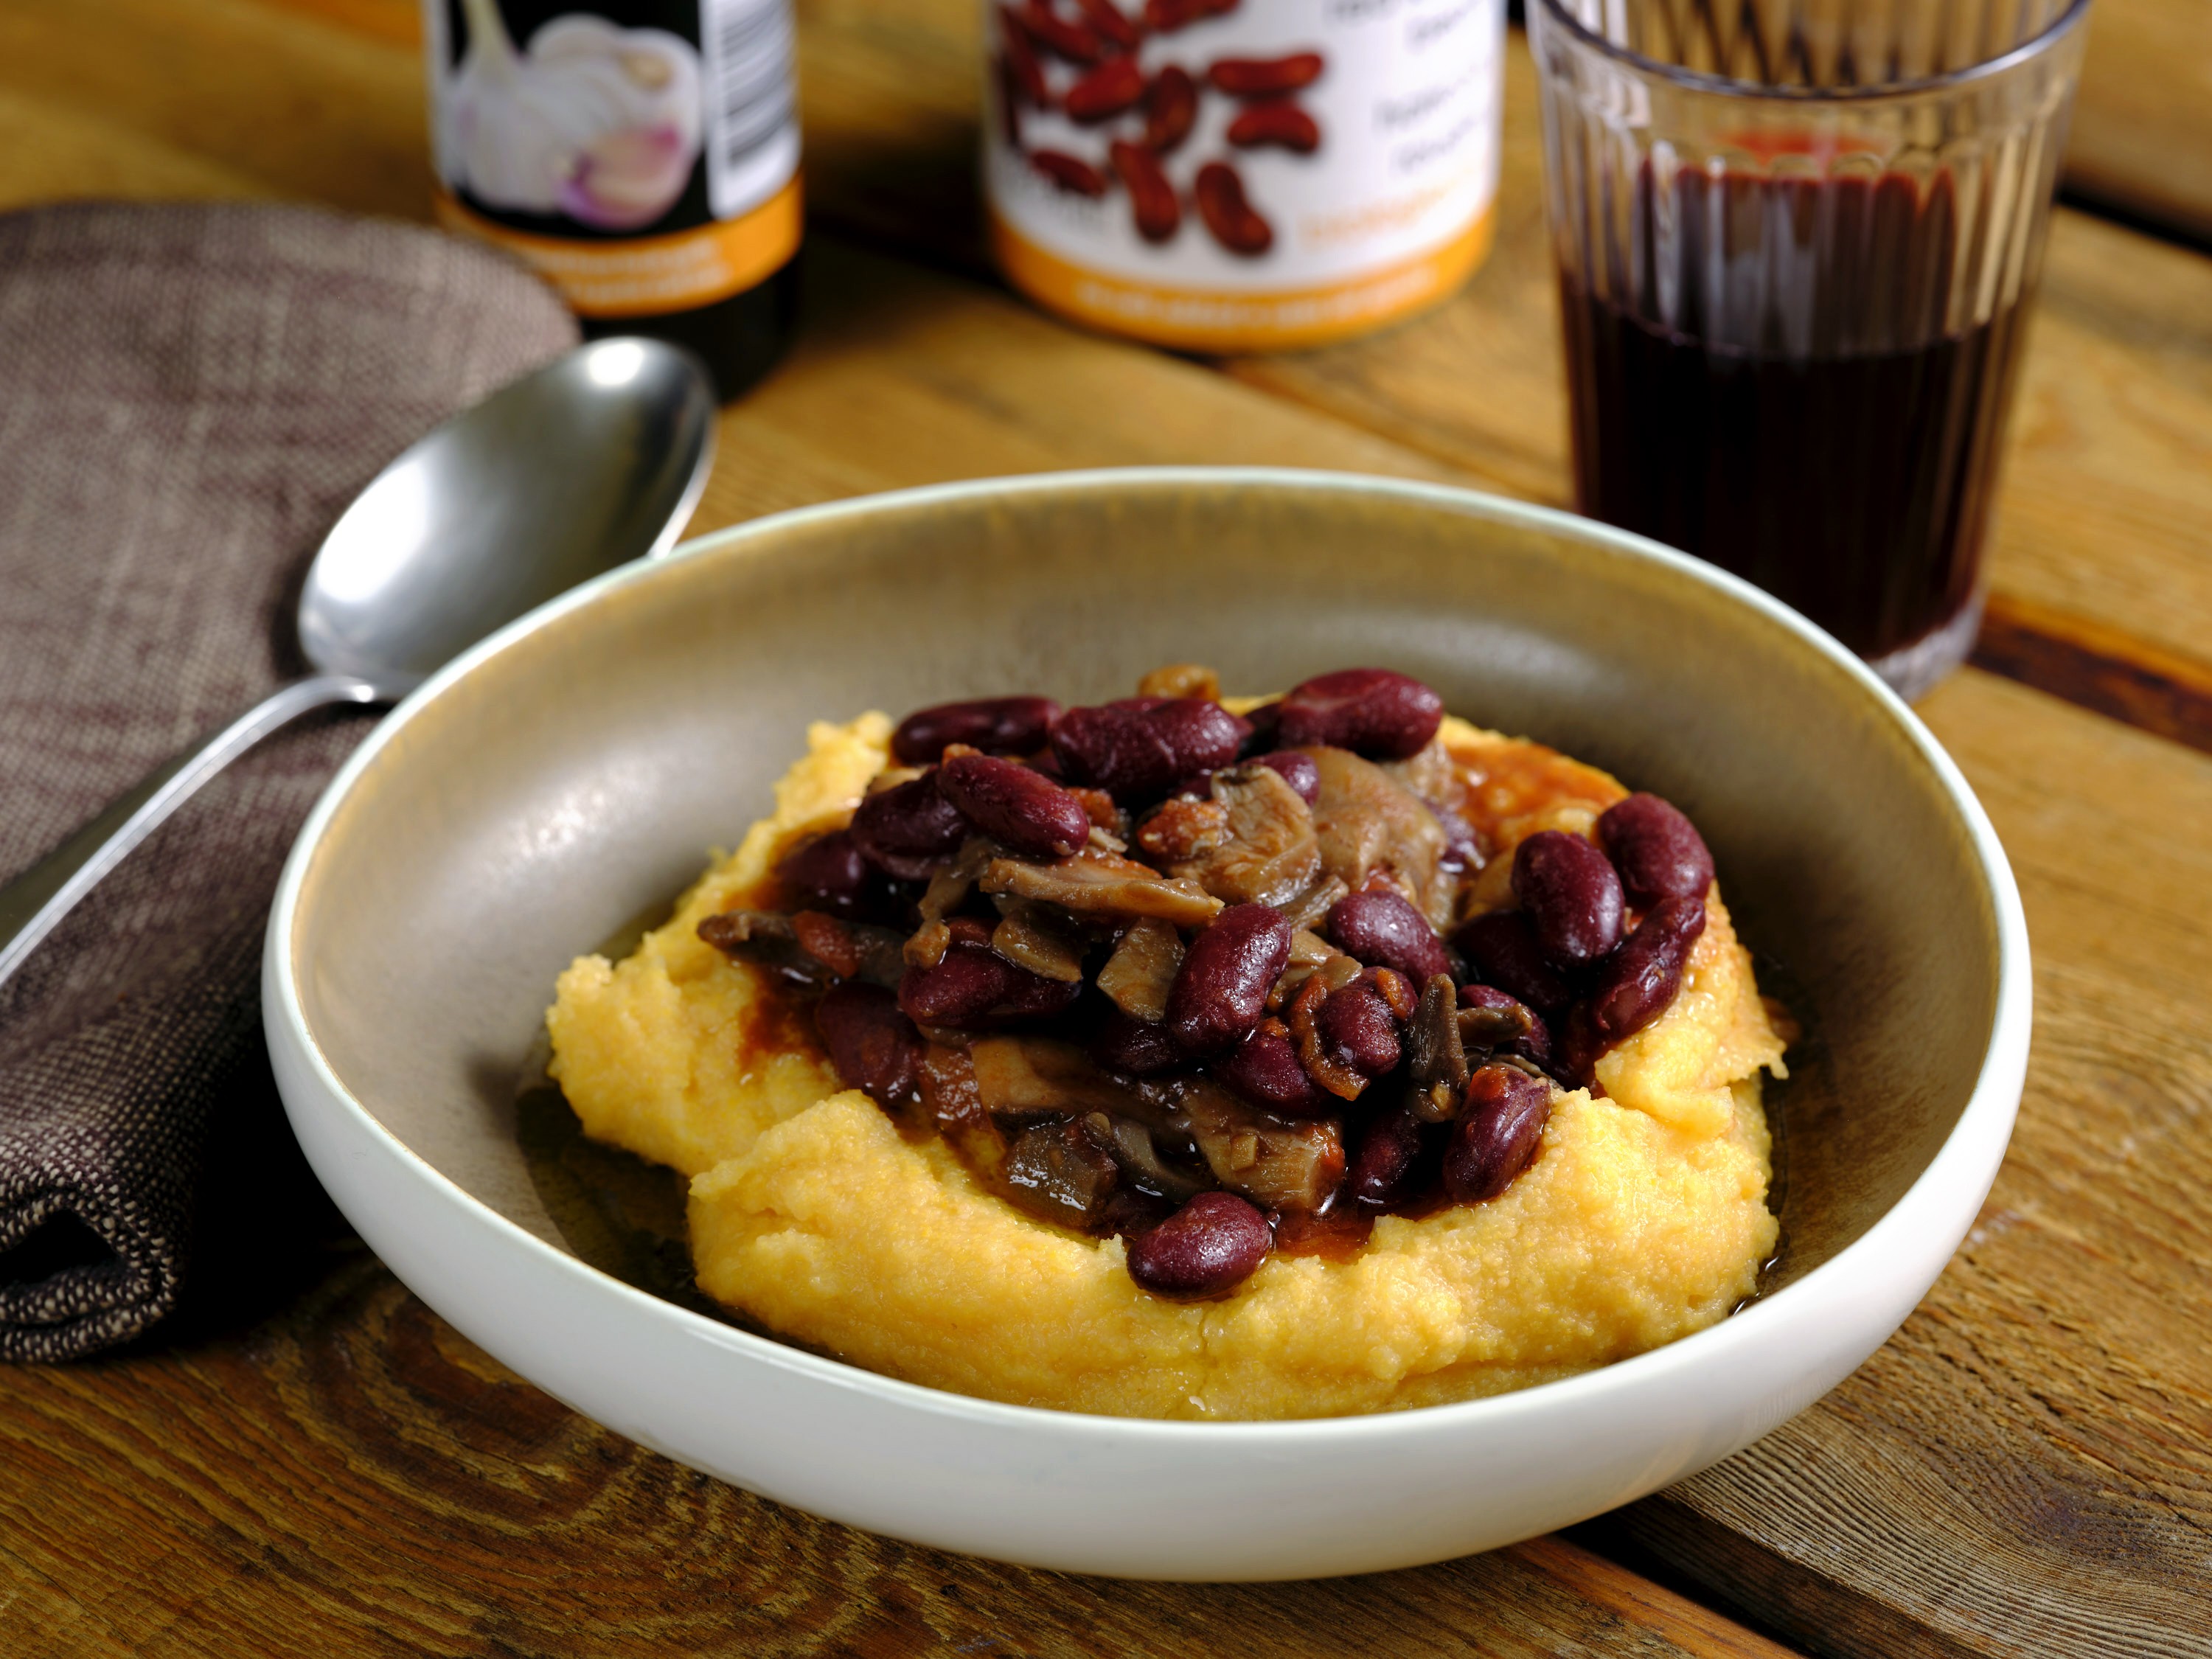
599, 123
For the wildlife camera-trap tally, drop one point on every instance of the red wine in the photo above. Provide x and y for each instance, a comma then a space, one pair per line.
1815, 428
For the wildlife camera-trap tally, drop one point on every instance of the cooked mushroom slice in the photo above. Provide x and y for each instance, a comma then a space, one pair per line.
1437, 1059
1041, 939
768, 939
1142, 968
1019, 1076
1271, 854
1432, 774
955, 1105
1278, 1166
1060, 1173
1141, 1161
1367, 821
1103, 883
1302, 1017
851, 950
1309, 908
947, 892
1309, 951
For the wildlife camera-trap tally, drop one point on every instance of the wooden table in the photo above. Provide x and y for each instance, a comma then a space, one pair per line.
310, 1462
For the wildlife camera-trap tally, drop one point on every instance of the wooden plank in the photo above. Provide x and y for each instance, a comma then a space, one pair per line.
347, 1476
2093, 668
2142, 128
302, 107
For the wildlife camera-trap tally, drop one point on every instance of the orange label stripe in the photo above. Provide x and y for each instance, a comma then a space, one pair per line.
1228, 320
649, 275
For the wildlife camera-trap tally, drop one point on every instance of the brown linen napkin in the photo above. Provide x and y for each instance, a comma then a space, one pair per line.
188, 396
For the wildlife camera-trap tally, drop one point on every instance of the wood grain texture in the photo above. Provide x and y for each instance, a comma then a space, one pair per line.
2094, 668
2143, 124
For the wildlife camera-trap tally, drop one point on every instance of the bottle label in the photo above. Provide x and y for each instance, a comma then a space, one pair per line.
644, 158
1242, 174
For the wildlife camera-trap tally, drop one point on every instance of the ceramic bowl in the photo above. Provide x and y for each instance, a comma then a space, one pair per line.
574, 771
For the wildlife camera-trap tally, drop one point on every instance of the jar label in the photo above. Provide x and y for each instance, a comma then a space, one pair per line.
1241, 174
644, 160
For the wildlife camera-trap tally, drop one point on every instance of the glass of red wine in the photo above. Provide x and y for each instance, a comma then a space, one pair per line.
1796, 243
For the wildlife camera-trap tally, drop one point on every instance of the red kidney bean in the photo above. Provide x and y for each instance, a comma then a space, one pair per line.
1021, 59
971, 989
1297, 770
1502, 951
1057, 36
829, 873
1169, 15
1111, 23
1071, 172
1220, 992
1497, 1135
1153, 201
1170, 110
1229, 213
1138, 749
1572, 896
1123, 1043
1657, 850
872, 1044
1013, 803
999, 726
1271, 122
1358, 1031
908, 829
1385, 1161
1115, 85
1209, 1246
1639, 981
1371, 711
1383, 931
1265, 77
1264, 1069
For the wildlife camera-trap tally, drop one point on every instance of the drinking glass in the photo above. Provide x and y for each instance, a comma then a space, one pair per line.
1796, 243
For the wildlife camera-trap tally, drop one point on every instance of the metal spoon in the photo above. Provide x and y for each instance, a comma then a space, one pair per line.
590, 462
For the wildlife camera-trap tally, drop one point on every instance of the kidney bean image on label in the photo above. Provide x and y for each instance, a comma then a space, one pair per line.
1072, 173
1265, 77
1113, 86
1283, 124
1235, 224
1170, 110
1318, 219
1153, 201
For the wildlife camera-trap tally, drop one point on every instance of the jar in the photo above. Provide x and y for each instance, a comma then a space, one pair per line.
643, 155
1241, 175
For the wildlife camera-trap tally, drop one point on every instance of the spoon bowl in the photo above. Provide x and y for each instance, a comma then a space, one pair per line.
593, 460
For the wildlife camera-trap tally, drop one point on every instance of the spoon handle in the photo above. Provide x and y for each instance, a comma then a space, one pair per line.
36, 900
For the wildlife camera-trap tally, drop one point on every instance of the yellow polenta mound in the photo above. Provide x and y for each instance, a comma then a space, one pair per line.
1643, 1218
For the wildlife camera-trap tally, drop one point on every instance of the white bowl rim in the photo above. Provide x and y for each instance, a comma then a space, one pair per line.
1968, 1158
